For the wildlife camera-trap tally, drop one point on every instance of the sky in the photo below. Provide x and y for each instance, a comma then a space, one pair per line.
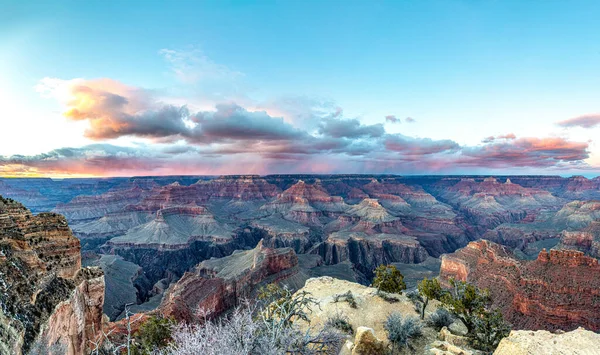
107, 88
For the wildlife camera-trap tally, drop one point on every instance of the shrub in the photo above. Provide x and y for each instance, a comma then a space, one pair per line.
429, 289
402, 331
440, 318
244, 334
282, 306
340, 322
388, 297
471, 305
466, 302
154, 333
346, 297
490, 328
388, 279
416, 299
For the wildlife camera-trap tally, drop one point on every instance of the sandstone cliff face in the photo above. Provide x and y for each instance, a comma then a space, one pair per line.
40, 272
217, 285
559, 290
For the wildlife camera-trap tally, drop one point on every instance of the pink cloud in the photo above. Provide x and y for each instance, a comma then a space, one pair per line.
585, 121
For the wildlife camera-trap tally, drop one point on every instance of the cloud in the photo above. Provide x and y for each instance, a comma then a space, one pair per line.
392, 119
529, 152
304, 112
585, 121
95, 159
287, 135
419, 146
232, 122
491, 139
114, 110
349, 128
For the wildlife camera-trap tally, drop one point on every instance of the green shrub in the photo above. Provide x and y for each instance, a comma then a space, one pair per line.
490, 328
388, 279
471, 305
429, 289
153, 334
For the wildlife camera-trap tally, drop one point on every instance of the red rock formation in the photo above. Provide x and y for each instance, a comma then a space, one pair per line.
42, 286
76, 321
219, 284
559, 290
236, 188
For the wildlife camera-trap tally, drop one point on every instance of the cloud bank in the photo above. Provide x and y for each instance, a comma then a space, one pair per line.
291, 135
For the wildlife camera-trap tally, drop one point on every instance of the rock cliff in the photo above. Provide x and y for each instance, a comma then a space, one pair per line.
216, 285
45, 296
558, 290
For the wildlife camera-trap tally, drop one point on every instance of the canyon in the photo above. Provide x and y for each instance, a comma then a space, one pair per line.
179, 244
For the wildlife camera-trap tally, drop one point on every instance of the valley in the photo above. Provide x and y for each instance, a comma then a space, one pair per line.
147, 232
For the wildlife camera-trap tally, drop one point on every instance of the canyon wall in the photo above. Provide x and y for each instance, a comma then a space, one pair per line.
558, 290
45, 296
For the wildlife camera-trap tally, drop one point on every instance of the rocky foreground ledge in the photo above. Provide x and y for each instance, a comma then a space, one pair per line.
370, 311
526, 342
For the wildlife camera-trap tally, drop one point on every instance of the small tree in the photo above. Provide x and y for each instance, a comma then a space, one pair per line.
429, 289
471, 305
388, 279
490, 328
466, 302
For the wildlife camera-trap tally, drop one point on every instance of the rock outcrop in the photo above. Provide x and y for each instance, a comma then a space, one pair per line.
45, 296
367, 318
558, 290
217, 285
77, 321
526, 342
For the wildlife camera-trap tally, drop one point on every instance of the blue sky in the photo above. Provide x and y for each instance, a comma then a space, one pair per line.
463, 70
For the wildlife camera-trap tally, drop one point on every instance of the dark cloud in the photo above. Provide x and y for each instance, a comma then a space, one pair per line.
349, 128
410, 120
418, 146
585, 121
232, 122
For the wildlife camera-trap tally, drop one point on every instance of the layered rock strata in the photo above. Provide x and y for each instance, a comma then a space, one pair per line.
558, 290
45, 296
217, 285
